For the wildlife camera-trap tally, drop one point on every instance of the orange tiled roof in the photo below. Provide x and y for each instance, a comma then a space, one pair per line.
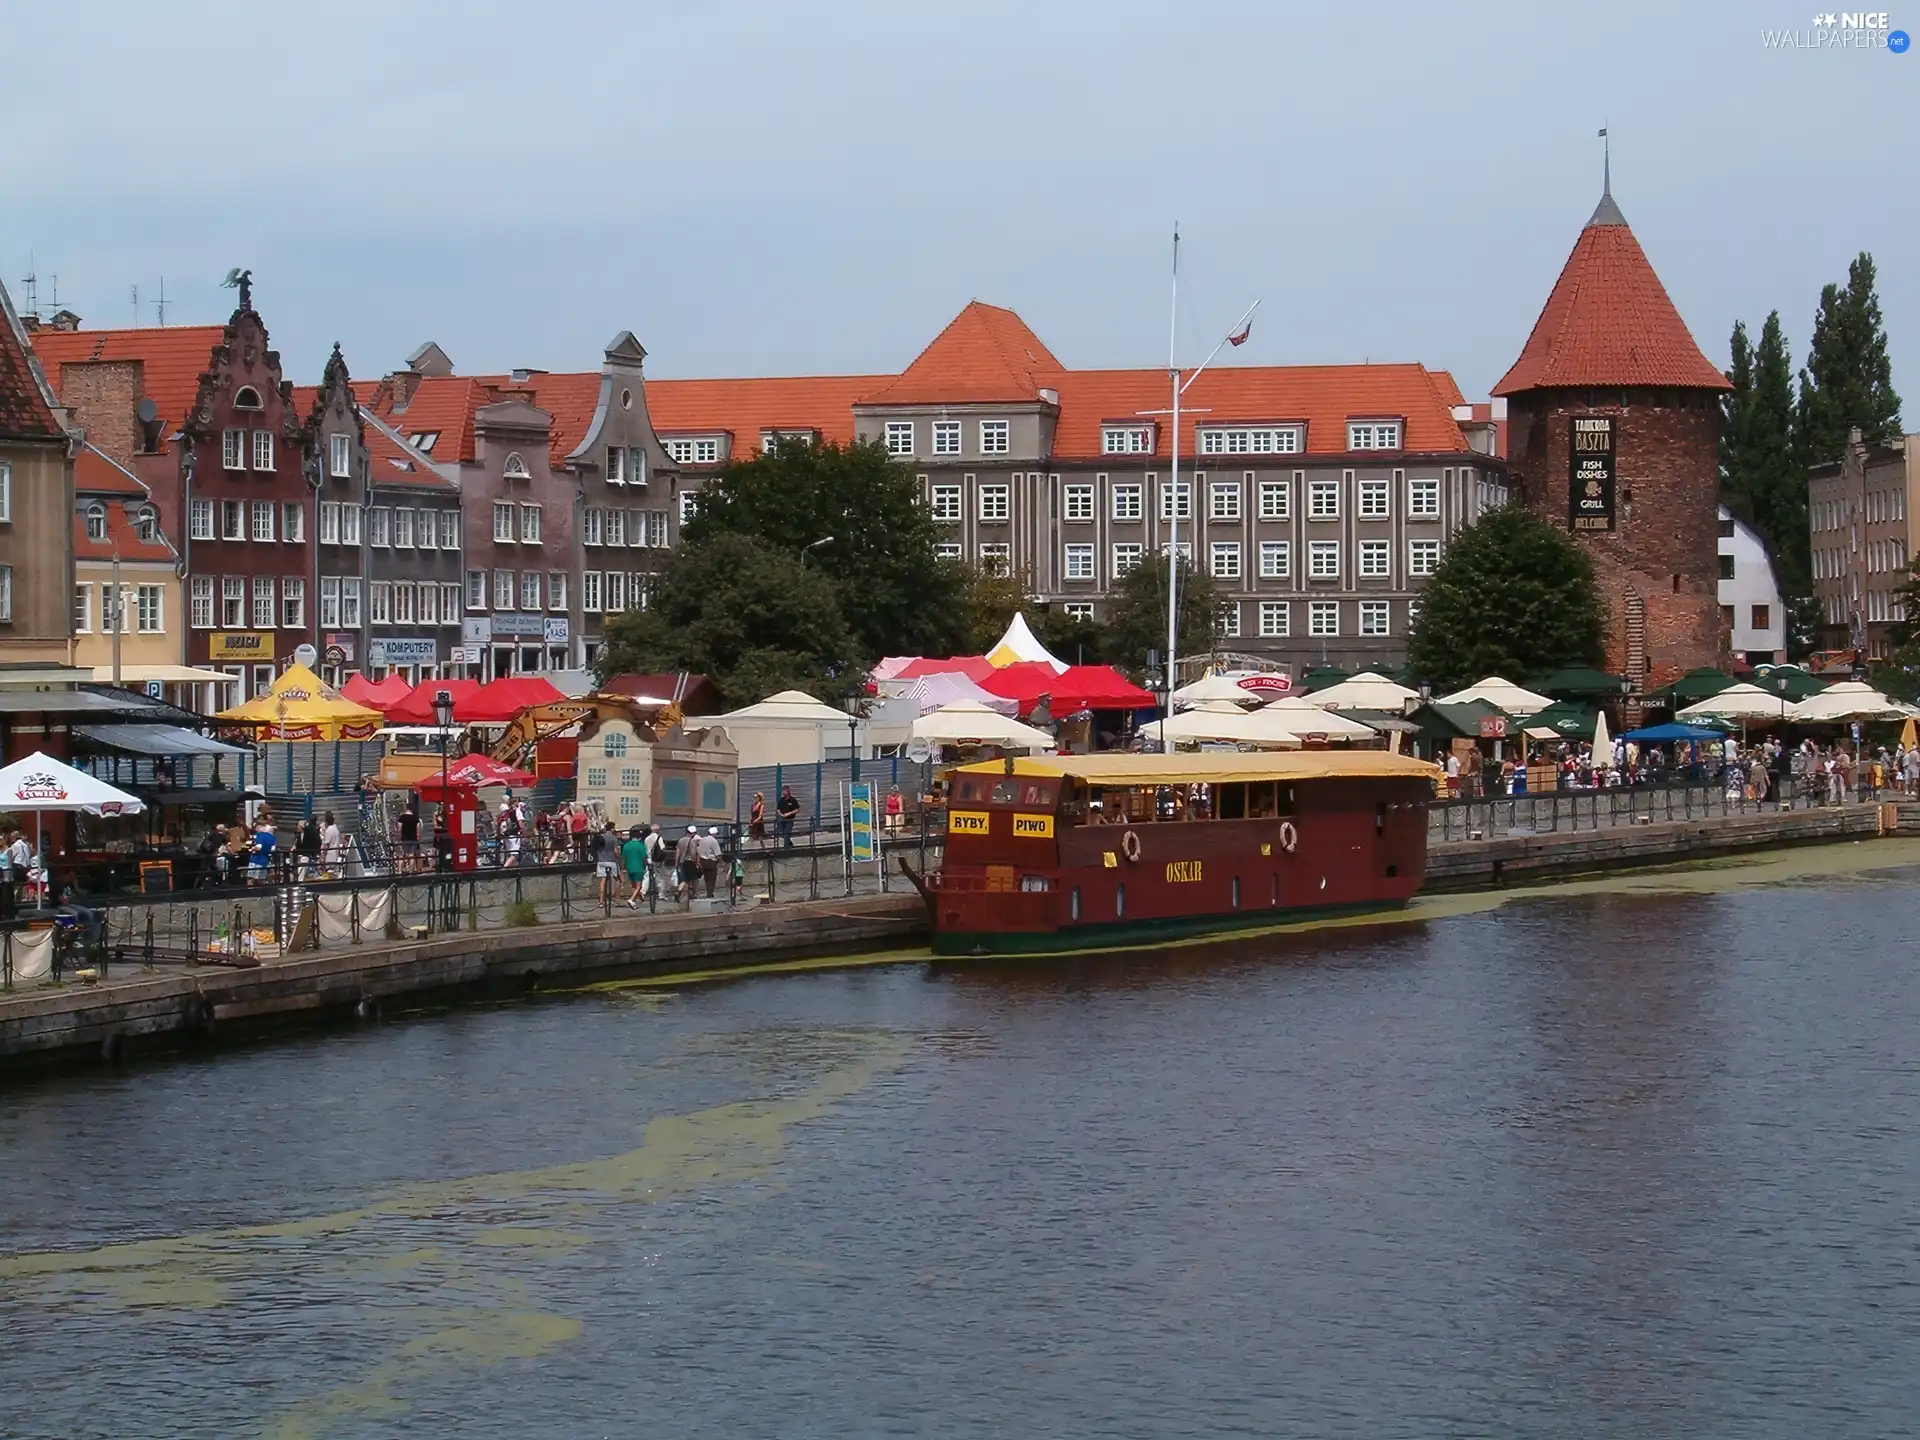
440, 405
570, 399
986, 354
1325, 397
94, 474
120, 535
172, 359
746, 407
1609, 321
24, 411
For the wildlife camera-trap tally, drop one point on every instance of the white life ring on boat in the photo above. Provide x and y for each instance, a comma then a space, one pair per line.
1130, 845
1289, 837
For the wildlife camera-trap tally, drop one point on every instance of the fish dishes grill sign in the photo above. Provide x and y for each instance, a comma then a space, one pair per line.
1590, 487
39, 786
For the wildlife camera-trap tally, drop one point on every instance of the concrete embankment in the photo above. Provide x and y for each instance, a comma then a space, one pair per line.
135, 1010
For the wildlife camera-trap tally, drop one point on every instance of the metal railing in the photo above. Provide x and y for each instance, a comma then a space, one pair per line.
1551, 811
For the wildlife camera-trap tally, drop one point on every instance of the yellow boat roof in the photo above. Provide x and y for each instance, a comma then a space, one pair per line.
1217, 769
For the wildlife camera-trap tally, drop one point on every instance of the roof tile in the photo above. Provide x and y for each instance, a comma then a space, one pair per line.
26, 409
171, 357
986, 354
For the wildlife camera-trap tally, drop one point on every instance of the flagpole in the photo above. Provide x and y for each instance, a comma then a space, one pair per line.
1173, 503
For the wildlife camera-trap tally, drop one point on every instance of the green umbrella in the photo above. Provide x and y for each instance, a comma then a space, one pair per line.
1571, 681
1320, 677
1696, 685
1566, 718
1788, 681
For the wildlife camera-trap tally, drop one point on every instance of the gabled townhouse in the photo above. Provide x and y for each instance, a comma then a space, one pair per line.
119, 541
36, 501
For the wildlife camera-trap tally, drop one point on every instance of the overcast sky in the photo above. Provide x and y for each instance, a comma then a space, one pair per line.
790, 188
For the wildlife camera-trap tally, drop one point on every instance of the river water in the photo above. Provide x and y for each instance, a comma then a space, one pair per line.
1607, 1161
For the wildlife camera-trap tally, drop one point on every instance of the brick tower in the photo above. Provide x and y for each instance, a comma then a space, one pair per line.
1613, 425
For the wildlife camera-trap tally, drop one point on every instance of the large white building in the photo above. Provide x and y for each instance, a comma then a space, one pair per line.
1754, 611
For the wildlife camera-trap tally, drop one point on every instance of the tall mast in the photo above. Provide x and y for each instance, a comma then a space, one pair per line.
1173, 502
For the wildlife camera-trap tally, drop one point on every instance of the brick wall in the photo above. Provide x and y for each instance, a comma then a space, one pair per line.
1665, 543
101, 396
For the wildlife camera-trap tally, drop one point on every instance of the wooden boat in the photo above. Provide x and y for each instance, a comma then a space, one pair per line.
1077, 851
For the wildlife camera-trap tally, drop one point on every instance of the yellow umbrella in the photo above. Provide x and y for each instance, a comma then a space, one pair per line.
302, 706
1907, 734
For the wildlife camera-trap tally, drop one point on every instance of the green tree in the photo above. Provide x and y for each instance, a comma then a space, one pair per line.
1848, 379
1899, 674
989, 599
1138, 620
1078, 642
1514, 596
1774, 480
1733, 412
753, 618
895, 594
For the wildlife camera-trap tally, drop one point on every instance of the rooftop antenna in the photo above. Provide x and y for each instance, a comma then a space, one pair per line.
1606, 162
133, 294
30, 290
160, 305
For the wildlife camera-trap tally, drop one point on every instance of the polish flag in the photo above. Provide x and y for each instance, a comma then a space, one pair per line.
1239, 337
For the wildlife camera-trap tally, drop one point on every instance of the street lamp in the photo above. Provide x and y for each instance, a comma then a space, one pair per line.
853, 732
807, 549
443, 717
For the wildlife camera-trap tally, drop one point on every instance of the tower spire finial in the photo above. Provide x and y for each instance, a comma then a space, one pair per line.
1606, 212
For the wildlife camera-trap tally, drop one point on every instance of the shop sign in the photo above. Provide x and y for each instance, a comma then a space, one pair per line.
966, 822
517, 624
340, 648
240, 645
1033, 827
557, 630
1493, 727
476, 630
404, 652
1590, 485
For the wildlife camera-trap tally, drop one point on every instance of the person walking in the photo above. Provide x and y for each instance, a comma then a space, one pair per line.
633, 857
708, 854
333, 845
896, 809
577, 830
686, 865
410, 835
757, 819
606, 861
789, 812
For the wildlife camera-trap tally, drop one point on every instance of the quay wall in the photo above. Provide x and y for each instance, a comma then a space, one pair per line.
204, 1004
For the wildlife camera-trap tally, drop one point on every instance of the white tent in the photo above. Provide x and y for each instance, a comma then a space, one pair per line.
1301, 716
40, 783
1216, 687
1602, 742
1512, 698
1020, 643
1217, 720
1365, 691
966, 723
1848, 700
947, 687
791, 728
1737, 702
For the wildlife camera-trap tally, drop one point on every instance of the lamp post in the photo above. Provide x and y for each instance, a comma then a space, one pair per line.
807, 550
853, 733
443, 717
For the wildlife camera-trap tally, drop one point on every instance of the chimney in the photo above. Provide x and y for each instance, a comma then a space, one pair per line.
401, 385
64, 320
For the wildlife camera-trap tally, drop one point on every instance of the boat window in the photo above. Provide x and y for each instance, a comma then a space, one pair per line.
1076, 902
1073, 803
1288, 805
1120, 900
1004, 791
1233, 803
1236, 892
1260, 800
1380, 818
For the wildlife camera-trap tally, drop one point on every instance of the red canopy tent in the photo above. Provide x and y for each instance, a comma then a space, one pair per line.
375, 694
506, 697
975, 667
477, 772
417, 707
1078, 687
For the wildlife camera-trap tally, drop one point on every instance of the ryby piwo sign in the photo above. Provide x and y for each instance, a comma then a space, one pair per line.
1590, 482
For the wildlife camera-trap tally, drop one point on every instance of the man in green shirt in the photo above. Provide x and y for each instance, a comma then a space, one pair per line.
633, 856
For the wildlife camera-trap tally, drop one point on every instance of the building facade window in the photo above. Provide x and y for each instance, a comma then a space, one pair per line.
689, 507
1079, 562
380, 603
899, 437
1373, 500
529, 589
1323, 560
1423, 499
1078, 610
96, 521
233, 449
1375, 561
503, 590
1276, 559
529, 524
1224, 560
379, 527
1262, 440
233, 520
590, 524
1275, 619
995, 437
705, 450
1323, 617
293, 603
1373, 435
1423, 557
265, 603
950, 550
200, 520
293, 522
1275, 496
233, 601
1126, 439
996, 557
1126, 559
946, 437
350, 601
403, 529
263, 450
502, 522
349, 524
340, 456
329, 601
1323, 500
615, 529
200, 602
1223, 500
1176, 500
944, 500
1128, 503
476, 589
590, 592
1373, 617
616, 465
1077, 502
263, 520
1227, 618
556, 589
614, 591
996, 502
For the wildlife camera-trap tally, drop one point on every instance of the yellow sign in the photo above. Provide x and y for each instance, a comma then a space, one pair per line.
1182, 872
1109, 859
966, 822
1033, 827
240, 645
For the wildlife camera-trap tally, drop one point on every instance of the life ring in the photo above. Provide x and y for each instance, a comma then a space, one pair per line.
1289, 837
1130, 845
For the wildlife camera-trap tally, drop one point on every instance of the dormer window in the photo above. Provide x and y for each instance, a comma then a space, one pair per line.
425, 440
1126, 439
96, 521
704, 450
246, 398
1250, 440
146, 524
1373, 435
515, 468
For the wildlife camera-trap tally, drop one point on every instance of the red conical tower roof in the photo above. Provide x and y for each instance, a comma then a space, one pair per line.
1609, 321
986, 354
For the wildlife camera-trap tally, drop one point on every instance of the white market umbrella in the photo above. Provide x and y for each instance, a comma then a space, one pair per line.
1219, 720
1848, 700
967, 722
1213, 687
1300, 715
1512, 698
1365, 691
1737, 702
40, 783
1602, 742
